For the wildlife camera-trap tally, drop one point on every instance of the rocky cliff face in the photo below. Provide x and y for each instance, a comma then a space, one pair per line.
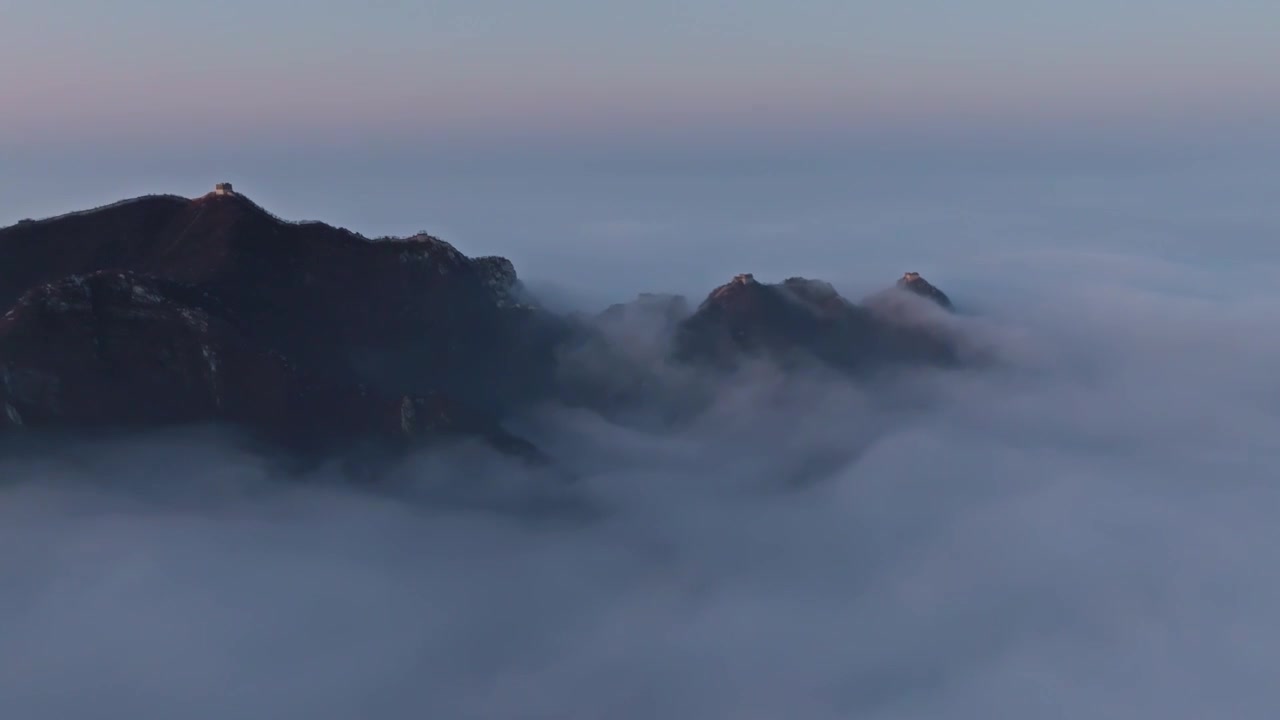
117, 350
164, 310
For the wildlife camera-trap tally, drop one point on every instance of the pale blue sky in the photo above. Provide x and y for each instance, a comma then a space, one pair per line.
91, 70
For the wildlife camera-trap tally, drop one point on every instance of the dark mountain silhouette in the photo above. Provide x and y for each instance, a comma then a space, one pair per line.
165, 310
305, 289
799, 320
116, 350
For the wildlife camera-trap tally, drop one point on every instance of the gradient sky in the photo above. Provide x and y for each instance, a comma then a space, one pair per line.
828, 137
86, 70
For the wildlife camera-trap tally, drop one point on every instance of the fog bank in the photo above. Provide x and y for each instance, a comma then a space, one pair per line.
1085, 529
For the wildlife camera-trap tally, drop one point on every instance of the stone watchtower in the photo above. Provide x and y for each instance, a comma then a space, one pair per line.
223, 189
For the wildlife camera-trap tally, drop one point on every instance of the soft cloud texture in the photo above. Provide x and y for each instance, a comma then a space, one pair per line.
1082, 530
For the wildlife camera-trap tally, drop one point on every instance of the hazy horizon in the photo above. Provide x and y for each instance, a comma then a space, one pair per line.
607, 222
742, 133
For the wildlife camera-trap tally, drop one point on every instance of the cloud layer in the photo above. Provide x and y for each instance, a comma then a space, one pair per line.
1084, 529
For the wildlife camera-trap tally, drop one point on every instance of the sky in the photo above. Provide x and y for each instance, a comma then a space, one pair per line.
612, 134
80, 71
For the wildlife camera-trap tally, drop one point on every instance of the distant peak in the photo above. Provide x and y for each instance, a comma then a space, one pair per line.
742, 283
913, 283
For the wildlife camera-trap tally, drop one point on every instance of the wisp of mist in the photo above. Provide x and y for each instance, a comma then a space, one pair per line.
1084, 528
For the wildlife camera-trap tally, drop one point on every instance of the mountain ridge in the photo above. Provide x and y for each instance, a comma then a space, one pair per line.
112, 315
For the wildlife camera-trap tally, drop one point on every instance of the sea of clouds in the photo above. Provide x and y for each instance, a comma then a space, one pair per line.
1084, 528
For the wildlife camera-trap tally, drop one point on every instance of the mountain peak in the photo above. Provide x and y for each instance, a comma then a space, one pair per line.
913, 283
